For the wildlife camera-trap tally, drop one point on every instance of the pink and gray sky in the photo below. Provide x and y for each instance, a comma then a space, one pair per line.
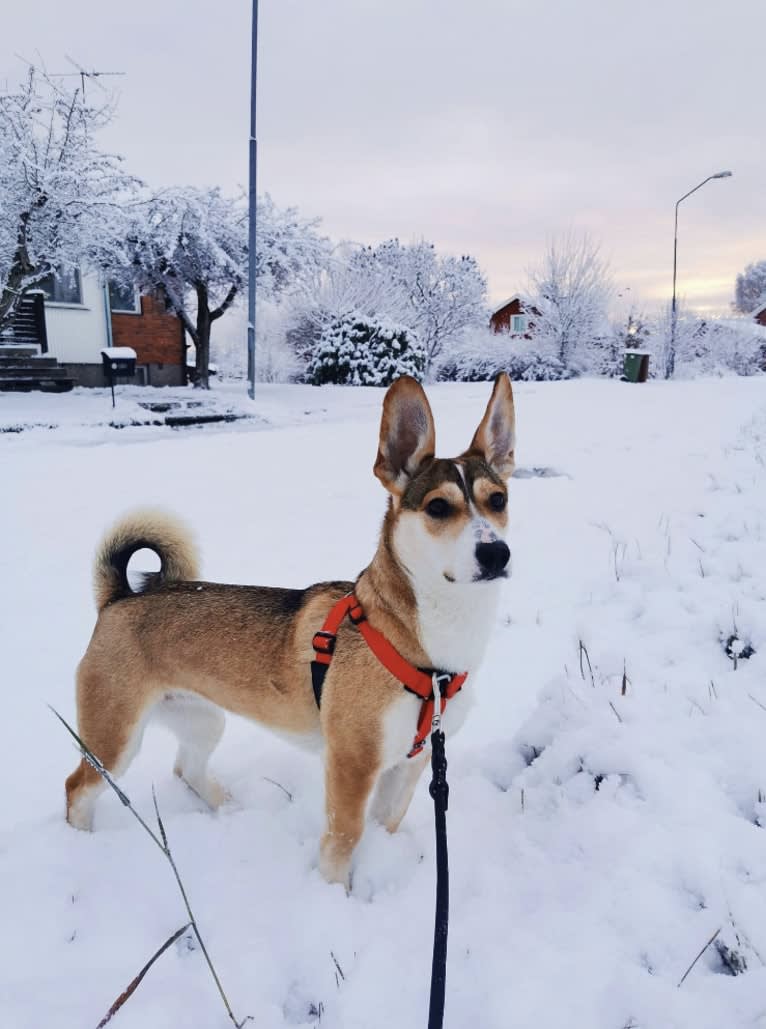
487, 126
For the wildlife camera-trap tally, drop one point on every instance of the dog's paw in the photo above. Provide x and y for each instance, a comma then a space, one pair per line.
80, 815
208, 790
334, 867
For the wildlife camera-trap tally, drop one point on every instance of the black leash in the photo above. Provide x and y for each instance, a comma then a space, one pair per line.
439, 790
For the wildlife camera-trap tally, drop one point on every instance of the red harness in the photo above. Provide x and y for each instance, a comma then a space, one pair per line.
413, 679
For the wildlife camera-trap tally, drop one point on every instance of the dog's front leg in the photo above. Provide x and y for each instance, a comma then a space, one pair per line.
350, 775
394, 791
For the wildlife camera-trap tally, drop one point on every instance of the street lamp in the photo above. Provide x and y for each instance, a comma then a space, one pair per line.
673, 316
253, 208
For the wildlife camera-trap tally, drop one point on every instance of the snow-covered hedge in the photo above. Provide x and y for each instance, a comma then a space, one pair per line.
481, 355
362, 351
706, 346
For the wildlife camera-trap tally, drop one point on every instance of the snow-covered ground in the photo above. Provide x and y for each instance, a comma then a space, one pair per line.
599, 836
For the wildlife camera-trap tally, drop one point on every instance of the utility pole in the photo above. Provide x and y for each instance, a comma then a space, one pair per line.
253, 211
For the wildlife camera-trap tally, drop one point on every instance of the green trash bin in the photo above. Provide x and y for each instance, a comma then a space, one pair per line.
636, 366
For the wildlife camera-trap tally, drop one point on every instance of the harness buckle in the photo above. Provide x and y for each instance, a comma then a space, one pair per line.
356, 614
324, 642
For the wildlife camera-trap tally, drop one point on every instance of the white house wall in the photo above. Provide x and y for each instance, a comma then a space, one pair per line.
77, 332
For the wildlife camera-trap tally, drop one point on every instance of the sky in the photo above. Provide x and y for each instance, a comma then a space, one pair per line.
490, 127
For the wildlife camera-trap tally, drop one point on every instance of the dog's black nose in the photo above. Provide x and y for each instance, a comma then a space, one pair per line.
492, 557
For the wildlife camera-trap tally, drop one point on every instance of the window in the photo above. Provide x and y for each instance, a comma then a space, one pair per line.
123, 299
62, 288
518, 323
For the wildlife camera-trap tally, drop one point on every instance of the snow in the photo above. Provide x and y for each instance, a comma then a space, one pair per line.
597, 839
119, 352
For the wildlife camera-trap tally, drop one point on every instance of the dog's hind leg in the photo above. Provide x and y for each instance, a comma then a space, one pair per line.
111, 722
394, 791
198, 726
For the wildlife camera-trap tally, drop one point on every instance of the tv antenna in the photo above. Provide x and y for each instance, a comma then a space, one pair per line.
84, 74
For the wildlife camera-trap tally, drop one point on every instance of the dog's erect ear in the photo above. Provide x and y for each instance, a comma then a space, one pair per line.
495, 438
407, 435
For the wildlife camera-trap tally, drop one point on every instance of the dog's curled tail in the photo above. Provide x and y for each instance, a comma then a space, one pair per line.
143, 530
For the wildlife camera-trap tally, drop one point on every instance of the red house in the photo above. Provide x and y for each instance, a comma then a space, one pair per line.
511, 317
760, 313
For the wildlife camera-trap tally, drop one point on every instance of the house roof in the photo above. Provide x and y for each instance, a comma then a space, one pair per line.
760, 308
505, 303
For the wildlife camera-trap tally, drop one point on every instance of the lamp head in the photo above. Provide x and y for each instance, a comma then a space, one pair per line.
721, 175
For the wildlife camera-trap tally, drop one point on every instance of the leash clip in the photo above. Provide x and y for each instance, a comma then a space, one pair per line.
436, 680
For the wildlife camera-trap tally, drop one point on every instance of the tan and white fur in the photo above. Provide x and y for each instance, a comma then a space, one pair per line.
182, 650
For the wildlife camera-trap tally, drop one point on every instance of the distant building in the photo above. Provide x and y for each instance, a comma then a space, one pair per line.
760, 312
68, 320
512, 317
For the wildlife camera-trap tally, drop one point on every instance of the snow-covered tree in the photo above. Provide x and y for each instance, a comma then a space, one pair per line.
705, 346
569, 292
438, 297
190, 246
61, 197
361, 351
289, 250
750, 290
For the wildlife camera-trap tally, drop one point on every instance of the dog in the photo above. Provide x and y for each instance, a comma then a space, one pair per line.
180, 650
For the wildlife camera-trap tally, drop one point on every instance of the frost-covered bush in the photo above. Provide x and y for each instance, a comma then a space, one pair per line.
706, 346
358, 350
720, 347
481, 355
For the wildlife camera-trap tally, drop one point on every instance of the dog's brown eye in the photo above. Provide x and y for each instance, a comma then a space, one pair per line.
497, 501
438, 508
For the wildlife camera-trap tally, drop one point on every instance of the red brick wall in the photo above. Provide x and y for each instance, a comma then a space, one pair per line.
155, 335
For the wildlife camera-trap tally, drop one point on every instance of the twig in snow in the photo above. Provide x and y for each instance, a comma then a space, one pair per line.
339, 970
625, 679
755, 701
522, 800
163, 845
691, 966
616, 712
279, 785
584, 650
712, 690
135, 983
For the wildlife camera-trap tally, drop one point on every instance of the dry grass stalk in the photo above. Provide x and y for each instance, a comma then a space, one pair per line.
162, 842
691, 966
135, 983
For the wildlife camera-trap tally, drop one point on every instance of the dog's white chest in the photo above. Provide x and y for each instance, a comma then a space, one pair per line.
401, 722
455, 624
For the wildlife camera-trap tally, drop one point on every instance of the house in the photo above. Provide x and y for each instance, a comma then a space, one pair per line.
61, 329
511, 317
760, 312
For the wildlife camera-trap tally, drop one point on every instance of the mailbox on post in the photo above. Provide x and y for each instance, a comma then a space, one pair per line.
119, 362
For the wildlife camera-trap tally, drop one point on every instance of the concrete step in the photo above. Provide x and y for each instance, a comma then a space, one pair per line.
26, 361
9, 350
46, 383
27, 370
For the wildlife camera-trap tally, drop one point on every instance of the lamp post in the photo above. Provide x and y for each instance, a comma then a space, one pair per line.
252, 194
671, 359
